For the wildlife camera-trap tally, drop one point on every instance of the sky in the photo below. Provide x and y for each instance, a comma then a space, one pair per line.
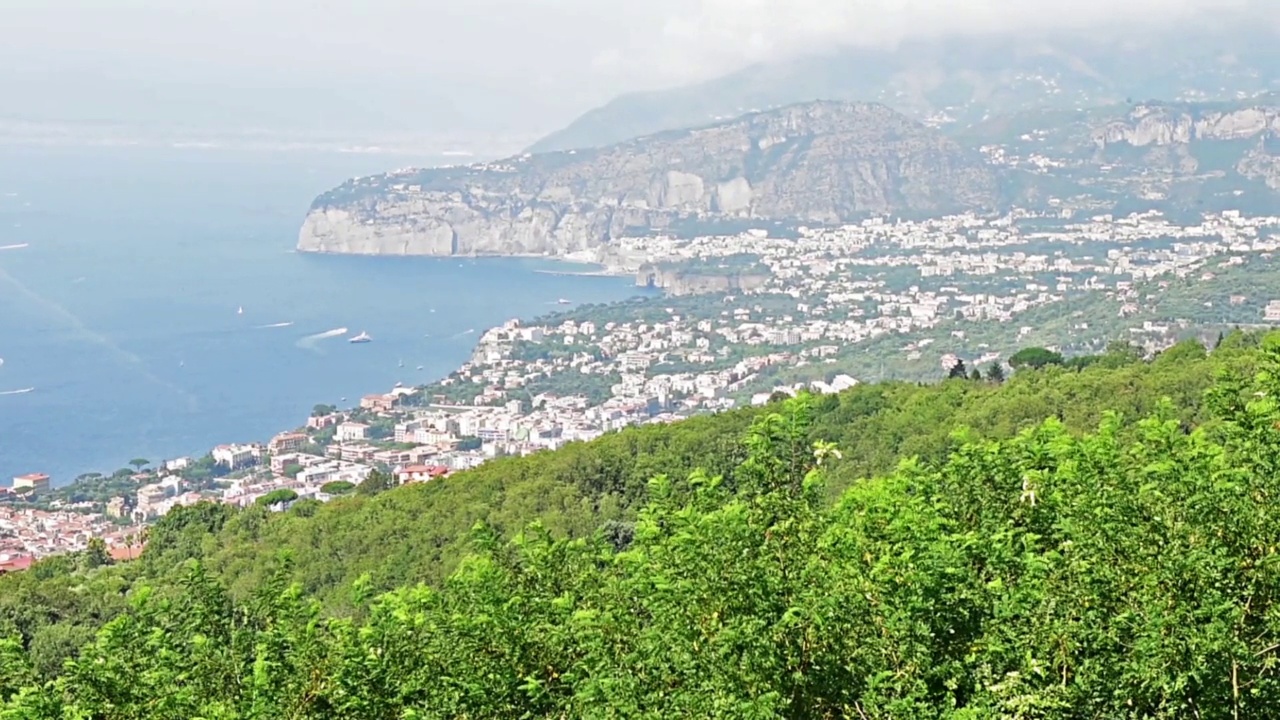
457, 66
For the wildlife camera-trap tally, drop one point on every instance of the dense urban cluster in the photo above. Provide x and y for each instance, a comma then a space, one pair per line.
533, 386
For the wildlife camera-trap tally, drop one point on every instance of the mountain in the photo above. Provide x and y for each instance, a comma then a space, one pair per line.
1172, 155
815, 162
957, 82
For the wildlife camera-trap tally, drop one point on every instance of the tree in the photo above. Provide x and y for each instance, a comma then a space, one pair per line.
322, 410
958, 371
139, 463
292, 470
975, 374
95, 555
337, 487
995, 373
281, 496
1035, 357
377, 482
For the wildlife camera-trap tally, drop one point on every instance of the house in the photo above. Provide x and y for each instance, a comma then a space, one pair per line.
421, 473
349, 431
117, 507
287, 442
379, 403
320, 422
34, 483
122, 553
234, 457
14, 563
181, 463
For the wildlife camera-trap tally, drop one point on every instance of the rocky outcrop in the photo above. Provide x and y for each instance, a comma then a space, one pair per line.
816, 162
1263, 162
1171, 125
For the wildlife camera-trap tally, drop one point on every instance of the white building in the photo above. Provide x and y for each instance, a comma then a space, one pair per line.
349, 431
234, 457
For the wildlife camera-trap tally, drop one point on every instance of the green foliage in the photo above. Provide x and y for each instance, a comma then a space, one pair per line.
338, 487
278, 497
377, 482
995, 373
1128, 572
1075, 542
1035, 357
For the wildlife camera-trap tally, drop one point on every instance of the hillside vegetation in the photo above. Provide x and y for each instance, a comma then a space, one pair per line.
1097, 540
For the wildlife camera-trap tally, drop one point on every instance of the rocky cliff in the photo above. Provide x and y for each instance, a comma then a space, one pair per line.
1173, 156
817, 162
1179, 125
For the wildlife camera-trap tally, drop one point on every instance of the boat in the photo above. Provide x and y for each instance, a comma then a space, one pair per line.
363, 337
419, 367
401, 364
240, 310
562, 301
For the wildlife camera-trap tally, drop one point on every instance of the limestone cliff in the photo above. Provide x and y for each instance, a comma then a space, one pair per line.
1170, 125
817, 162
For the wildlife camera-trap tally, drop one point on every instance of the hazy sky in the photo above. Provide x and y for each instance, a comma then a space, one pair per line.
430, 65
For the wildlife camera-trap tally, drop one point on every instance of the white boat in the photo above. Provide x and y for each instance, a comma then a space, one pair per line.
363, 337
240, 310
562, 301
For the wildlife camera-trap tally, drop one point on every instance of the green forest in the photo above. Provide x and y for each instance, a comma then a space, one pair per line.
1094, 539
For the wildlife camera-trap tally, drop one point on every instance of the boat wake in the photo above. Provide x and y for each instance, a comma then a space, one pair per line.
23, 391
276, 325
19, 246
309, 342
463, 333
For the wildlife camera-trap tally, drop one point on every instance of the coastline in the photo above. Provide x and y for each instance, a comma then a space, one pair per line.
478, 333
582, 259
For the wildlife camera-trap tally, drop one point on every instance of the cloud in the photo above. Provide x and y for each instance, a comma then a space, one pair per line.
707, 37
442, 64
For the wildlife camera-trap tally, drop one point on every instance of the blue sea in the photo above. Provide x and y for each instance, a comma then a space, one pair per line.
121, 329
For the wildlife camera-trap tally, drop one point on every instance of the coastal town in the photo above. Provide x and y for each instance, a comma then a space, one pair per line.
820, 309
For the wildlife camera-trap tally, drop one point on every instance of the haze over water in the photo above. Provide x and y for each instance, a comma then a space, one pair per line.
119, 308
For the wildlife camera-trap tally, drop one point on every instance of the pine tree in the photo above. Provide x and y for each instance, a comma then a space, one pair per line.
995, 373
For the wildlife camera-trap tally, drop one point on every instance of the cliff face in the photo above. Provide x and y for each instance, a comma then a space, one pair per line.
820, 162
1173, 156
1164, 125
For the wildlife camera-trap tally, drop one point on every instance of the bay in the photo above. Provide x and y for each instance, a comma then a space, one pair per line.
121, 309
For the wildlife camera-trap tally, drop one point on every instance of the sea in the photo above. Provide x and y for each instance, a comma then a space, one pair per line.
152, 305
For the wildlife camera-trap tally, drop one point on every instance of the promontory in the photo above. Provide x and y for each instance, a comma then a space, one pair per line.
814, 162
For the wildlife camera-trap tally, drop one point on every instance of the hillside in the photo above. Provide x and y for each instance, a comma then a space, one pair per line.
1041, 554
815, 162
958, 82
1196, 156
